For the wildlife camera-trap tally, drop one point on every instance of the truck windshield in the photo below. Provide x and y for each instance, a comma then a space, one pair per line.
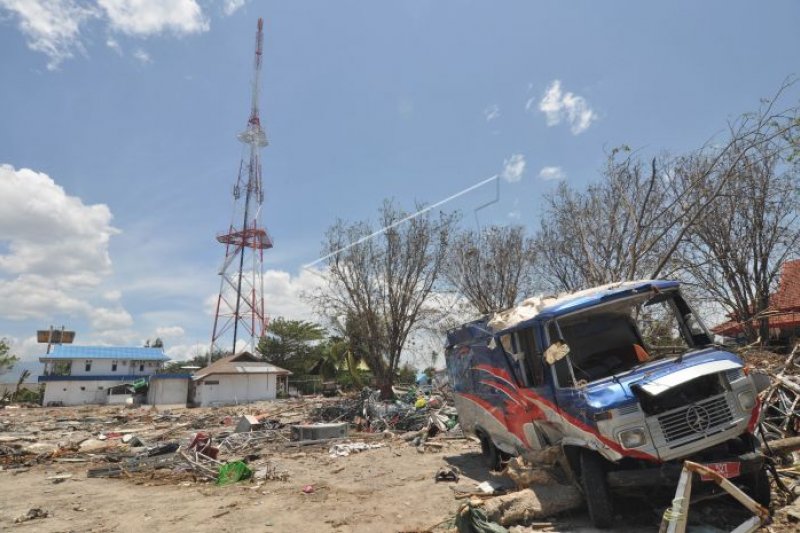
615, 337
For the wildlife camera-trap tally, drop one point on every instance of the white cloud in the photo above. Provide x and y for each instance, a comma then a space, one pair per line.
148, 17
49, 232
232, 6
284, 293
552, 173
141, 56
54, 253
184, 352
492, 112
55, 27
513, 168
52, 27
170, 332
559, 106
105, 319
114, 45
26, 349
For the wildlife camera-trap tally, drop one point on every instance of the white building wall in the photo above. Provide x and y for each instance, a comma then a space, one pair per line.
235, 388
77, 392
101, 367
168, 392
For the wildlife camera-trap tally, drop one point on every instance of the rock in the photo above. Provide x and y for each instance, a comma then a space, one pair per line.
93, 445
32, 514
41, 447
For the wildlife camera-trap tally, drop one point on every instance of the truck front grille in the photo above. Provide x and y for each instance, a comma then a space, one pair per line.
697, 419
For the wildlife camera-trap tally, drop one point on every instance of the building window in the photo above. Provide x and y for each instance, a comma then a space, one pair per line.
113, 366
141, 367
88, 366
99, 388
211, 382
83, 388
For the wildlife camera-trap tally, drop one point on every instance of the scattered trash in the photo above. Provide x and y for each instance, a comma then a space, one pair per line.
248, 423
345, 449
447, 473
32, 514
59, 478
230, 473
308, 489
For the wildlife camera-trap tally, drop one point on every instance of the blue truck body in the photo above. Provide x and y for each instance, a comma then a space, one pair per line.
594, 373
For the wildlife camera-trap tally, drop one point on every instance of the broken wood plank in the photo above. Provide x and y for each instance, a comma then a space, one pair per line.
779, 446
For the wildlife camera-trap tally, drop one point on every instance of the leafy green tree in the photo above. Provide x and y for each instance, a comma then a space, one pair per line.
7, 359
22, 377
157, 343
292, 344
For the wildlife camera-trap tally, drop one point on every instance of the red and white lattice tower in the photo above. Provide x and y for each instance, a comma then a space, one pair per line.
240, 315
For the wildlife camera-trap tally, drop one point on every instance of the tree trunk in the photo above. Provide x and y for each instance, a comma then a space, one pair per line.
535, 502
385, 386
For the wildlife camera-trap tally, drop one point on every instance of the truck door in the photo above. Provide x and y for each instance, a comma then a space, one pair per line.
526, 360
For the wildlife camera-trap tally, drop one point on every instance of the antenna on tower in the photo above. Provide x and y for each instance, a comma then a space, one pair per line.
240, 305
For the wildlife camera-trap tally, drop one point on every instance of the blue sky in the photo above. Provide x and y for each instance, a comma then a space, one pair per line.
125, 114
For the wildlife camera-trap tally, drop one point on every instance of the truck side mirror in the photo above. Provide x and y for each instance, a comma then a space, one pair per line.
556, 351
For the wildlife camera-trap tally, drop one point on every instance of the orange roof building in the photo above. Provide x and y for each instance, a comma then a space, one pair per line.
783, 311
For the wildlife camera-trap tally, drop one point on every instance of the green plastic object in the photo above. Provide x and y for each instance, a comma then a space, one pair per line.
230, 473
139, 383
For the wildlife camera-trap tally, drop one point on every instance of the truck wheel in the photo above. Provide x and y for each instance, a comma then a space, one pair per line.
491, 453
757, 487
595, 489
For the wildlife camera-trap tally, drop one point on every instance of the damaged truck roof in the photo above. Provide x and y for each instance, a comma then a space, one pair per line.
544, 307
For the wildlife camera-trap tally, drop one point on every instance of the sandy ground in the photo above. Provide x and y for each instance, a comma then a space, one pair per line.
388, 489
385, 489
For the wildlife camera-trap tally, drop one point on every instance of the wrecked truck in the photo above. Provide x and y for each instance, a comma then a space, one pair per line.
624, 378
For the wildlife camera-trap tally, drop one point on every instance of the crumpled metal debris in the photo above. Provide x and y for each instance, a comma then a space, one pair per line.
346, 448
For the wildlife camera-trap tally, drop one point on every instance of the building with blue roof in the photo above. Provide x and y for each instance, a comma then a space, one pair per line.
78, 375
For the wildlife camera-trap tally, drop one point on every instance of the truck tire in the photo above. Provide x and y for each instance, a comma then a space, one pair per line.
757, 487
595, 489
491, 453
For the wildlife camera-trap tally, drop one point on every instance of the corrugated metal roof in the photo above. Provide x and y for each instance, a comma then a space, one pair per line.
63, 351
241, 363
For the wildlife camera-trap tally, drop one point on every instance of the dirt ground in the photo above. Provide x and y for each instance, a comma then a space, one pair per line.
384, 489
391, 488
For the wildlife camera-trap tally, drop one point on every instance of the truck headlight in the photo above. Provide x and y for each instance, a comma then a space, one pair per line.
747, 400
632, 438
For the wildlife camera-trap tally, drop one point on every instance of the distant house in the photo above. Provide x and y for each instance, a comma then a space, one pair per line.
783, 311
77, 375
238, 378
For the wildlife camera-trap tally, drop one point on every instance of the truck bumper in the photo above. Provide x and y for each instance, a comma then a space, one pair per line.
667, 474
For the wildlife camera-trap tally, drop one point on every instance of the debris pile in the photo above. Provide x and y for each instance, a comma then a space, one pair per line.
416, 416
220, 445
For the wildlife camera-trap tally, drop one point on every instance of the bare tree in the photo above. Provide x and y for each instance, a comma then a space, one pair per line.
734, 252
491, 268
631, 223
616, 229
379, 285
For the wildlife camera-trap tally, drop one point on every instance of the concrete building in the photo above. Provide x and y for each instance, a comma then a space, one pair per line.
238, 378
77, 375
169, 390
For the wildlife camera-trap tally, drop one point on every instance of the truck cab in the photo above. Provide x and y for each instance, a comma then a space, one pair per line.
624, 378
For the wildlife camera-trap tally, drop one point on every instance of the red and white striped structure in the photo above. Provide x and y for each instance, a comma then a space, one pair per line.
240, 315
